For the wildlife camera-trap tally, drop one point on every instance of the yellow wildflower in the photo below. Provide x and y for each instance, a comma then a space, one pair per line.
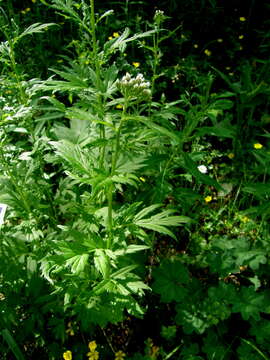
110, 38
228, 68
136, 64
196, 46
92, 345
119, 106
208, 199
93, 355
119, 355
257, 146
116, 34
67, 355
70, 330
242, 18
207, 52
154, 351
220, 40
142, 179
245, 219
241, 37
231, 73
27, 9
231, 155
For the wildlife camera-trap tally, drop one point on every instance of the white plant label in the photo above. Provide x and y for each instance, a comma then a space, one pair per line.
3, 208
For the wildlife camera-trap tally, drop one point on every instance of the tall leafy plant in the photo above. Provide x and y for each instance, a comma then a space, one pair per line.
107, 149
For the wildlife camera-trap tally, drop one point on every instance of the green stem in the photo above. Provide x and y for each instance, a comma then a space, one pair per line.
94, 41
98, 76
111, 186
156, 59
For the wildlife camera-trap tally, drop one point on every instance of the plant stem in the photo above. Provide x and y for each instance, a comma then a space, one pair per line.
113, 167
98, 76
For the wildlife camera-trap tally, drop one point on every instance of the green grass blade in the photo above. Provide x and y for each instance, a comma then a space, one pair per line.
12, 344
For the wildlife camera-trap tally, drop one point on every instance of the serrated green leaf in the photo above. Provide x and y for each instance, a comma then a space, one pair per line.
33, 29
77, 263
102, 263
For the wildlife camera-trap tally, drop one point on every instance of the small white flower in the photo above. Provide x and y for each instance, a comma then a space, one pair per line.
203, 169
3, 208
25, 156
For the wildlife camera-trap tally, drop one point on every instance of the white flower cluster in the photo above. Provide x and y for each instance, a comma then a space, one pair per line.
159, 16
134, 87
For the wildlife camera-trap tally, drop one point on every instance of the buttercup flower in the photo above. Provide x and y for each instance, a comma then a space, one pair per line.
116, 35
119, 355
241, 37
208, 199
93, 355
154, 351
136, 64
67, 355
220, 40
196, 46
245, 219
92, 345
242, 18
231, 155
257, 146
207, 52
119, 106
70, 330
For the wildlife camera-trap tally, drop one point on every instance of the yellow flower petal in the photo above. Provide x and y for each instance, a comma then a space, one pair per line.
208, 199
257, 146
67, 355
119, 355
231, 155
242, 18
136, 64
207, 52
92, 345
116, 34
